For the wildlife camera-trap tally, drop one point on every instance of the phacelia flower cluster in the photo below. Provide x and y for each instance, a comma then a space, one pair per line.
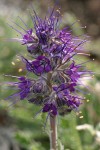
52, 59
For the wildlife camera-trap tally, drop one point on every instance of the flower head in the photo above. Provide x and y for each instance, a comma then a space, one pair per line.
53, 52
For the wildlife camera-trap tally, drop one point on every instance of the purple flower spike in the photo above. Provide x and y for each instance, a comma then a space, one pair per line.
52, 61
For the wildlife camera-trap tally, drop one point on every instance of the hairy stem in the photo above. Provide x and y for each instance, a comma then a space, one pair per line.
53, 133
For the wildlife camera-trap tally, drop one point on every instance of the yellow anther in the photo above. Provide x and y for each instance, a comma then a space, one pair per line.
13, 63
87, 100
20, 70
81, 117
18, 60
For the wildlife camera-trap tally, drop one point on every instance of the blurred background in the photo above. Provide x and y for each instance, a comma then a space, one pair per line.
19, 130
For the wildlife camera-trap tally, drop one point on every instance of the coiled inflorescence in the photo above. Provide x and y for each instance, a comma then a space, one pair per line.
52, 52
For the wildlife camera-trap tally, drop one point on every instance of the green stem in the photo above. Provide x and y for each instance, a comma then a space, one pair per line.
53, 132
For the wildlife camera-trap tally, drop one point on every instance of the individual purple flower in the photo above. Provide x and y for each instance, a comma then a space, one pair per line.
45, 28
65, 35
31, 40
28, 37
68, 101
39, 66
25, 87
74, 102
50, 108
65, 87
73, 72
65, 97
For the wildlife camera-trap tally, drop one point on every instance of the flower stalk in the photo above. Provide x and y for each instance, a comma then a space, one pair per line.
52, 60
53, 132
